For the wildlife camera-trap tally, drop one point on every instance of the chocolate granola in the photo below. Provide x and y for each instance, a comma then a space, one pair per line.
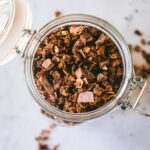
77, 68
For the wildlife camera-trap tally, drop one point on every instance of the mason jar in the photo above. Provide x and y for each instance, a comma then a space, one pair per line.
25, 45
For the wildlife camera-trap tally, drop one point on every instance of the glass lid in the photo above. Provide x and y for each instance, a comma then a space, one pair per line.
14, 17
6, 15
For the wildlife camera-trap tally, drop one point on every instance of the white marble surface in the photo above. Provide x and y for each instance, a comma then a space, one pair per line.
20, 120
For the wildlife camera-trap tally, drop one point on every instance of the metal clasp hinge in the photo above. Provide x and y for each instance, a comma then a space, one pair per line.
23, 41
138, 85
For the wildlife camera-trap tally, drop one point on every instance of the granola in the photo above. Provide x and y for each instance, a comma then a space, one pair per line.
77, 68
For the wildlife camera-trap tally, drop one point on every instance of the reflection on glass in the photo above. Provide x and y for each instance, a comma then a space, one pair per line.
4, 15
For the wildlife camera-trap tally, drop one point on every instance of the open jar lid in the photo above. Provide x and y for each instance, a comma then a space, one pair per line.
14, 17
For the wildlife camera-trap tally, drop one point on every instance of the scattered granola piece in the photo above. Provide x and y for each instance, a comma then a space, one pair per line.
52, 126
138, 32
43, 147
137, 48
143, 42
45, 132
130, 47
136, 10
57, 13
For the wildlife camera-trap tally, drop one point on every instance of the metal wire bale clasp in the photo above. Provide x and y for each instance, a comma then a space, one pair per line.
133, 98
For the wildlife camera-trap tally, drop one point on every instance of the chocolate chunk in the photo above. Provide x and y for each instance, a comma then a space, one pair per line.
101, 77
46, 64
85, 97
48, 87
100, 40
78, 73
76, 30
80, 43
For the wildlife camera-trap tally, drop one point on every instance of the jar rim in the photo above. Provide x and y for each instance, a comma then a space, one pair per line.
100, 24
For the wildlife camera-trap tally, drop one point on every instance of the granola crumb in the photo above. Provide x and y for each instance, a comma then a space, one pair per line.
137, 48
57, 13
143, 41
130, 47
136, 10
148, 42
44, 137
138, 32
126, 18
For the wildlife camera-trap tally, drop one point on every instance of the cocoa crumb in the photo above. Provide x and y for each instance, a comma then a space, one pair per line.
138, 32
40, 138
137, 48
57, 13
52, 126
43, 147
136, 10
143, 42
126, 18
130, 47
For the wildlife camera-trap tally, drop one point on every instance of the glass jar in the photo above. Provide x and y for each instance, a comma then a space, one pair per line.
131, 88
